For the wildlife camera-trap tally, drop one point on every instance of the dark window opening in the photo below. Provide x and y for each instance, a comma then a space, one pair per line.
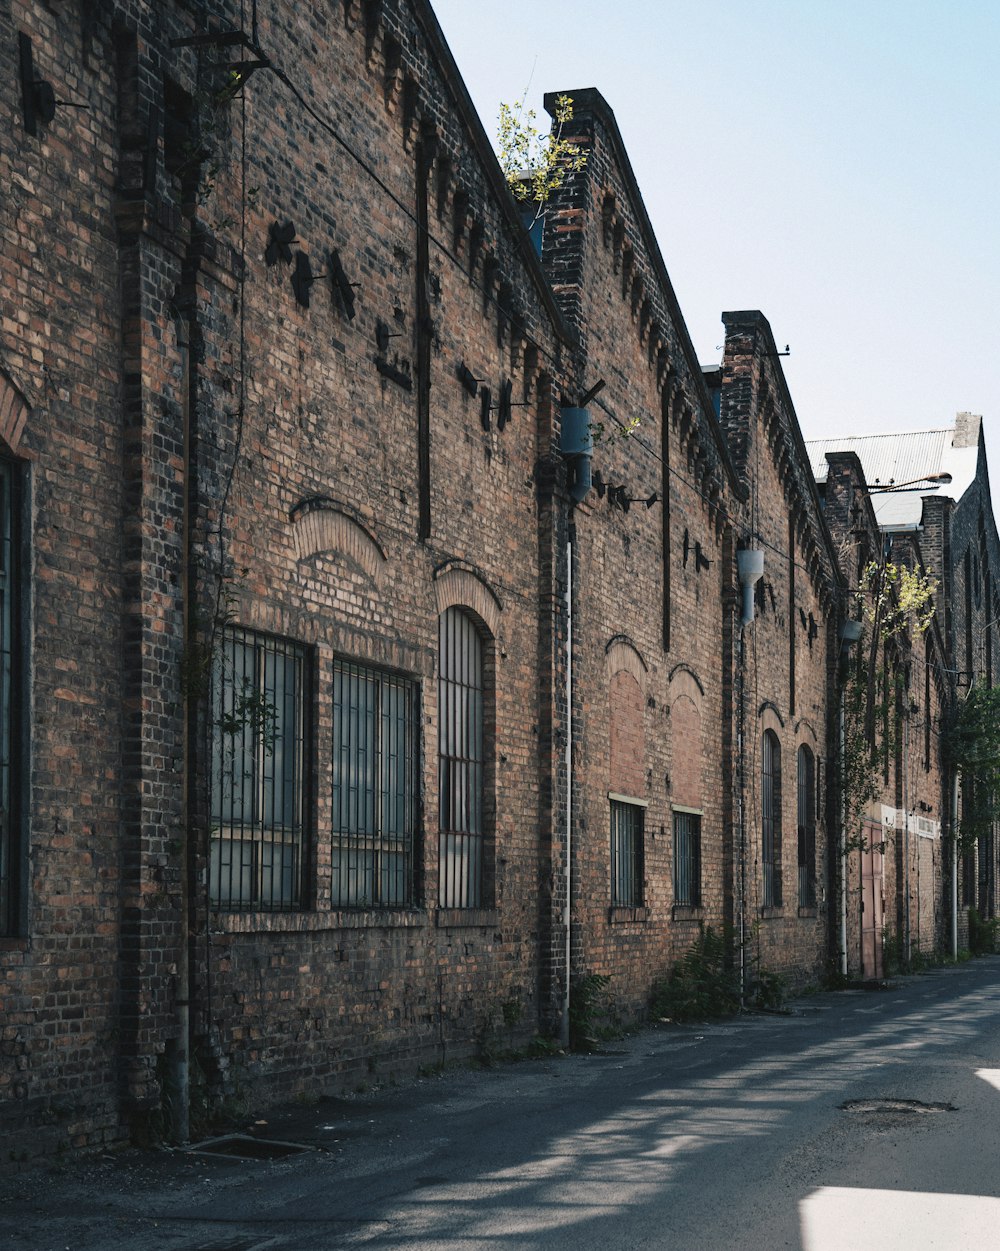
461, 763
771, 820
258, 844
626, 854
375, 735
807, 828
687, 858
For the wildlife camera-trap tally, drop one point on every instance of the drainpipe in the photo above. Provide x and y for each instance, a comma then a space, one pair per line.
954, 866
567, 900
750, 569
577, 446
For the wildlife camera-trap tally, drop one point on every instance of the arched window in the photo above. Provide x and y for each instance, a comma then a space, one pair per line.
807, 828
770, 824
462, 867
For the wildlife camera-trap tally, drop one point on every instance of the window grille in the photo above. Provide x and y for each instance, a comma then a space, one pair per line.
9, 674
807, 829
374, 787
259, 697
460, 762
687, 858
626, 854
771, 819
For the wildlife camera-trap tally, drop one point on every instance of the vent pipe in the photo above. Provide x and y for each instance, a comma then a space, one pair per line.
750, 567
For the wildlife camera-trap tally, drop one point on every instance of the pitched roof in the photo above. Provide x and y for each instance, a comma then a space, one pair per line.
890, 458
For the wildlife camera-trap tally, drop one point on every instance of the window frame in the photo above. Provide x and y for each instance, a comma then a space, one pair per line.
627, 827
687, 885
806, 821
252, 840
464, 761
395, 771
770, 819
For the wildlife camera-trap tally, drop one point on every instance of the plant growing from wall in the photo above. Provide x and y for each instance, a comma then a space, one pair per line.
702, 984
896, 603
536, 164
972, 749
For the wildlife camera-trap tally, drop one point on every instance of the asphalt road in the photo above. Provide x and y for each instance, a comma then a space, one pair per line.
733, 1135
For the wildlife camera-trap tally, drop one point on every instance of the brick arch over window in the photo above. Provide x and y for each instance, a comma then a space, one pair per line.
461, 588
321, 526
687, 758
627, 735
14, 412
622, 656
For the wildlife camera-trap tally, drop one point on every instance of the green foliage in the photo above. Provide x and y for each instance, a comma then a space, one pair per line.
982, 933
588, 1005
701, 985
535, 164
895, 599
972, 747
768, 991
893, 952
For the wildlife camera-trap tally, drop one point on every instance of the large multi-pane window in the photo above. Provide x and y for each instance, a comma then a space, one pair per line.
807, 828
687, 857
626, 854
10, 867
461, 763
258, 844
770, 825
374, 787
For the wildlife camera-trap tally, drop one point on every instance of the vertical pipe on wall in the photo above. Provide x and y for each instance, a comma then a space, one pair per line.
567, 900
843, 836
954, 866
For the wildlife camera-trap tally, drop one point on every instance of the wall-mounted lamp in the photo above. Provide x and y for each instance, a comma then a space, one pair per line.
576, 443
750, 568
934, 479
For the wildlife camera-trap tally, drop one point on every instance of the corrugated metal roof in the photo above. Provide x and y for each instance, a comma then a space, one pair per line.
889, 458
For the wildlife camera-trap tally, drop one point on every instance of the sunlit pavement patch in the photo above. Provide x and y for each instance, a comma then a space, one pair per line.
841, 1219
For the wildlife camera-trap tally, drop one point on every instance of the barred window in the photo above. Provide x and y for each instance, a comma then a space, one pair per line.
626, 854
11, 737
461, 762
687, 858
807, 828
259, 697
771, 819
375, 731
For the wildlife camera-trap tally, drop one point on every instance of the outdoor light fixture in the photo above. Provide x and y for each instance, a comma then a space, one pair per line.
750, 567
935, 479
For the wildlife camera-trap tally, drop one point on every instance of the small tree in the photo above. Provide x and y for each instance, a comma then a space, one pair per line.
536, 164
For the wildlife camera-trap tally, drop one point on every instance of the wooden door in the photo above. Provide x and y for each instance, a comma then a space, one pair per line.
872, 901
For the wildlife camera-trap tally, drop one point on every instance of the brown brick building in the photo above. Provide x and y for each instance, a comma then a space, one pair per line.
352, 705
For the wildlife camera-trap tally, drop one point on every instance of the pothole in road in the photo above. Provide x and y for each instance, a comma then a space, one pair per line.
243, 1147
895, 1107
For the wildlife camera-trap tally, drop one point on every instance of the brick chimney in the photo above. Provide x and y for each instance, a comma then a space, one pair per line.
967, 428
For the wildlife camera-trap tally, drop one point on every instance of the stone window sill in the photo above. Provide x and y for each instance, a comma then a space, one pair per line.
809, 912
313, 922
773, 913
625, 916
466, 918
688, 912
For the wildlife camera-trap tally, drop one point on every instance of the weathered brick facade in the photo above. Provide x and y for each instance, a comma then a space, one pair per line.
294, 576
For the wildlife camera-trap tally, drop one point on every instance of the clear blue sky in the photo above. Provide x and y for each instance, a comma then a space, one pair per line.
833, 163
